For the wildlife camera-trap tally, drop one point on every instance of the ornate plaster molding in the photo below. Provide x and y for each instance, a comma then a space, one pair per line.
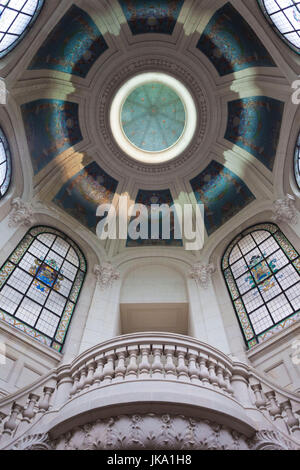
3, 92
151, 431
202, 273
141, 65
285, 210
106, 274
22, 213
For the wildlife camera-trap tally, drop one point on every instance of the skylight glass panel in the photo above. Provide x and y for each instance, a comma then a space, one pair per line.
5, 165
16, 17
285, 17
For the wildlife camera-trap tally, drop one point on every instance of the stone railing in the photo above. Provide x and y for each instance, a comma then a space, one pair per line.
149, 360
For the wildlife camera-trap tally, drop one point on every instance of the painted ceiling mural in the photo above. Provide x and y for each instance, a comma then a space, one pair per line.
223, 194
231, 44
51, 126
82, 194
73, 46
149, 198
254, 125
151, 16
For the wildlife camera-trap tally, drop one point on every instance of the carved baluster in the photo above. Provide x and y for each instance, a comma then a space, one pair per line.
275, 411
109, 368
121, 367
157, 366
145, 366
220, 376
212, 372
44, 403
193, 370
2, 417
29, 412
74, 389
260, 402
132, 368
82, 380
227, 378
182, 370
12, 423
292, 421
90, 376
203, 372
170, 367
98, 375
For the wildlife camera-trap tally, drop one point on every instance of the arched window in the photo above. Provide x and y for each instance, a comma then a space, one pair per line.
5, 165
262, 272
284, 16
40, 284
16, 17
297, 161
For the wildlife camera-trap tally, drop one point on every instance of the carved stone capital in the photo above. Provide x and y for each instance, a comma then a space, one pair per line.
106, 274
285, 210
202, 273
22, 213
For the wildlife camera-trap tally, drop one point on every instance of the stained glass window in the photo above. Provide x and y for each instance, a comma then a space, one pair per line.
297, 161
262, 273
284, 16
5, 164
40, 284
16, 17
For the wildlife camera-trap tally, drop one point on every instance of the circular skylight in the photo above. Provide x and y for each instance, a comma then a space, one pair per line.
16, 16
153, 117
297, 161
285, 16
5, 165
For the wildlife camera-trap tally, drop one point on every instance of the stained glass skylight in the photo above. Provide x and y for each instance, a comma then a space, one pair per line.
297, 161
285, 17
5, 165
16, 17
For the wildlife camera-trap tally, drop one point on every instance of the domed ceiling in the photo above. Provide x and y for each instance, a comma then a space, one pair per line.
93, 49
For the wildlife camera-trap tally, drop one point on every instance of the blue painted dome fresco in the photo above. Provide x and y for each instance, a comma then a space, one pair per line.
153, 117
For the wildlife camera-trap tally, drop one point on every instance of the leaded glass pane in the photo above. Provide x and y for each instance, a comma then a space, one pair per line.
263, 280
297, 161
16, 17
5, 164
284, 15
39, 282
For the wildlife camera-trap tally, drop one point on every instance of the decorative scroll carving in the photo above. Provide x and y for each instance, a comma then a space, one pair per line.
202, 273
271, 440
34, 442
285, 210
22, 213
106, 274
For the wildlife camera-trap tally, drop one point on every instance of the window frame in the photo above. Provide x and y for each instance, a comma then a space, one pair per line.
8, 161
296, 161
39, 6
12, 263
265, 12
250, 337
